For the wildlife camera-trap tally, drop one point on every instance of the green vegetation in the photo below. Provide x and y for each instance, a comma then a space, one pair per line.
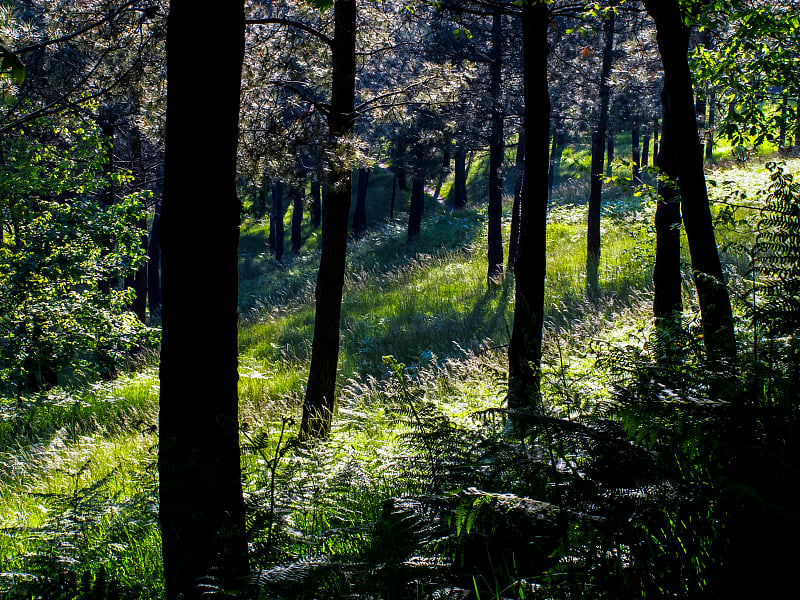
78, 493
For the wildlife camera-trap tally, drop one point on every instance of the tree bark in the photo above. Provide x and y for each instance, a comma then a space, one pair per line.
417, 204
598, 150
712, 104
610, 157
296, 196
360, 214
635, 154
556, 151
496, 152
655, 142
316, 204
645, 149
667, 271
154, 265
201, 507
525, 346
460, 178
320, 390
276, 230
513, 242
712, 294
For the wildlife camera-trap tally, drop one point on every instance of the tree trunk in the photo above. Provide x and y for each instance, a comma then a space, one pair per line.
417, 205
525, 346
655, 142
610, 158
201, 507
154, 265
316, 204
496, 152
598, 150
700, 112
107, 195
460, 179
556, 151
712, 110
782, 126
712, 294
296, 196
394, 195
138, 281
360, 215
635, 154
276, 213
319, 401
513, 242
645, 149
667, 271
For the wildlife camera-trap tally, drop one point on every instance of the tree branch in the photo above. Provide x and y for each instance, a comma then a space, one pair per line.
296, 24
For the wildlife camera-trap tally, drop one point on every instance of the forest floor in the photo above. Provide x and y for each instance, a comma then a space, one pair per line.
77, 466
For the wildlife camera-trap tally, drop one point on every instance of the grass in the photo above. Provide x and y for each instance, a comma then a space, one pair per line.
82, 460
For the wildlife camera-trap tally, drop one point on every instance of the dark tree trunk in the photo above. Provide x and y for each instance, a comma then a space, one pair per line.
635, 154
610, 157
417, 205
138, 281
394, 195
712, 294
320, 390
276, 213
360, 214
700, 112
513, 242
316, 204
154, 265
782, 126
598, 150
201, 507
460, 178
645, 149
655, 142
667, 271
260, 205
556, 151
296, 196
496, 152
712, 111
107, 195
797, 124
525, 346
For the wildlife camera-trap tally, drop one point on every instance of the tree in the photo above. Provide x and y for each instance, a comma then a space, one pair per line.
319, 401
496, 154
525, 347
598, 151
201, 506
715, 305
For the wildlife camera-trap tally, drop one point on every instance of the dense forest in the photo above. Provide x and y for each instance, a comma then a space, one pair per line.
415, 299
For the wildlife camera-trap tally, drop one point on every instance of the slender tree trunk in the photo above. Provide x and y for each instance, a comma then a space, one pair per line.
296, 196
360, 215
525, 346
107, 196
513, 242
712, 109
417, 205
598, 150
667, 271
496, 152
276, 231
782, 126
610, 157
700, 111
154, 265
316, 204
645, 150
712, 294
201, 507
555, 156
797, 124
655, 142
320, 390
460, 179
635, 154
138, 281
394, 195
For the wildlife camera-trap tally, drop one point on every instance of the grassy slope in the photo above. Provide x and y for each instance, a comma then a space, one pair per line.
93, 449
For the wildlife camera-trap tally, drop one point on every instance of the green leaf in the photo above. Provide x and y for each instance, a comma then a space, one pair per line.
11, 62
